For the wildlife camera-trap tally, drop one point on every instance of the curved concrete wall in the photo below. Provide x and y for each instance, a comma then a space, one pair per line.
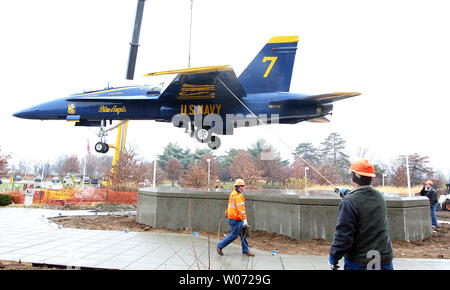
299, 217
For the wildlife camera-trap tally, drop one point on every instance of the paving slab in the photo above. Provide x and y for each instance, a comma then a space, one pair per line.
28, 236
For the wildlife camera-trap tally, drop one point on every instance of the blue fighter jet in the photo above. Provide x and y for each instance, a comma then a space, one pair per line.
206, 101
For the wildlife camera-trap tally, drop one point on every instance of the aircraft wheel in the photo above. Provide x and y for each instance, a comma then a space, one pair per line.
101, 147
202, 135
106, 148
214, 143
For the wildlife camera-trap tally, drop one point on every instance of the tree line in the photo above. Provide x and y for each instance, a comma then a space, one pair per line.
260, 165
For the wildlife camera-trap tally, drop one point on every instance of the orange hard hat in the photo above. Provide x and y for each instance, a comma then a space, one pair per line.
363, 167
429, 182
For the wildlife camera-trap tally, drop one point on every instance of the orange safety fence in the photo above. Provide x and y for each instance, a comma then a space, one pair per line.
71, 196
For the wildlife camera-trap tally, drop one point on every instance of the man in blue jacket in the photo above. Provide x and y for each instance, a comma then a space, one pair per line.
431, 193
362, 235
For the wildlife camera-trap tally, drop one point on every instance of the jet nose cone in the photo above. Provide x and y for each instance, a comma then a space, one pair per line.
18, 114
25, 114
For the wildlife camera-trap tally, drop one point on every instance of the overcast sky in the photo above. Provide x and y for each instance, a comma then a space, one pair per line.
395, 53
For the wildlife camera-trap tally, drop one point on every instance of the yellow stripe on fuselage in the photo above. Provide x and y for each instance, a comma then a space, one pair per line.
108, 90
283, 39
194, 70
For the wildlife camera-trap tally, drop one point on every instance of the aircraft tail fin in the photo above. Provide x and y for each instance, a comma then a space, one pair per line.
271, 69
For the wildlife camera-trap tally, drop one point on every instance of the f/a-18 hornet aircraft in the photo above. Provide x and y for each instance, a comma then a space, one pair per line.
206, 101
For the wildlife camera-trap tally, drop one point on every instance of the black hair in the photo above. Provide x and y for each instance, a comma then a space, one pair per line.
361, 180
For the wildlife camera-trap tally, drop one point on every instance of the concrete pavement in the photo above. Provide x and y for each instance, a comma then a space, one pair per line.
28, 236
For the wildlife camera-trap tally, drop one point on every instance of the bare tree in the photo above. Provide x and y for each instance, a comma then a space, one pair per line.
418, 169
58, 166
270, 167
160, 174
194, 176
4, 164
174, 169
244, 166
127, 173
331, 173
71, 165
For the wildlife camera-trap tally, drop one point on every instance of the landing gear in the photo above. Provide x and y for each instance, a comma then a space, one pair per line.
101, 147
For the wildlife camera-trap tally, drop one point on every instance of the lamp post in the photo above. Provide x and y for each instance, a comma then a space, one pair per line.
306, 183
209, 171
42, 176
407, 176
154, 173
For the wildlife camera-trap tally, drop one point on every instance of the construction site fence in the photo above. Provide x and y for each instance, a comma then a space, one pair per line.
63, 197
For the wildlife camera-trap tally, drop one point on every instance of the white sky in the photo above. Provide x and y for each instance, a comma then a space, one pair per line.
396, 53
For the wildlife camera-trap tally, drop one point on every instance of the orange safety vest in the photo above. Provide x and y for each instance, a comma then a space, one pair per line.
236, 206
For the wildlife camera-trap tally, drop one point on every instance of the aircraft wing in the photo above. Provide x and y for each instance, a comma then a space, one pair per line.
319, 99
202, 83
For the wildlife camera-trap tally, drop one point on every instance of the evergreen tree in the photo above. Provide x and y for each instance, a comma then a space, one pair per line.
332, 153
308, 152
255, 149
174, 151
225, 162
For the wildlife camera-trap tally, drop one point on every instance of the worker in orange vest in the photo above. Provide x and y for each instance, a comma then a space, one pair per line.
237, 218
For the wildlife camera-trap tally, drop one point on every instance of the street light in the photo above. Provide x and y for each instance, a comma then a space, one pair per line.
209, 171
306, 185
154, 173
407, 175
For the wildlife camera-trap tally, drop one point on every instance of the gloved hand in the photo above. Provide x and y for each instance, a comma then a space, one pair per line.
341, 191
245, 223
333, 263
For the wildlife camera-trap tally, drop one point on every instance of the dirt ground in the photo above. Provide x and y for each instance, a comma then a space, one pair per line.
437, 246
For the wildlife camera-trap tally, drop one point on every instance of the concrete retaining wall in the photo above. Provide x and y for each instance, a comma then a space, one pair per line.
299, 217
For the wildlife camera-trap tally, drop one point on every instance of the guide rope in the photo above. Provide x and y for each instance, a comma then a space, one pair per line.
276, 135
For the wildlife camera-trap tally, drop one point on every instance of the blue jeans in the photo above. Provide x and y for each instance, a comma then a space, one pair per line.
433, 214
352, 266
235, 226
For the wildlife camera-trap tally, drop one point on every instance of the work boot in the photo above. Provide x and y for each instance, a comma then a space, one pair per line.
219, 251
249, 254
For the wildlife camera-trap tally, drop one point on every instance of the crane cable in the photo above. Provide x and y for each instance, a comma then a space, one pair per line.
276, 135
